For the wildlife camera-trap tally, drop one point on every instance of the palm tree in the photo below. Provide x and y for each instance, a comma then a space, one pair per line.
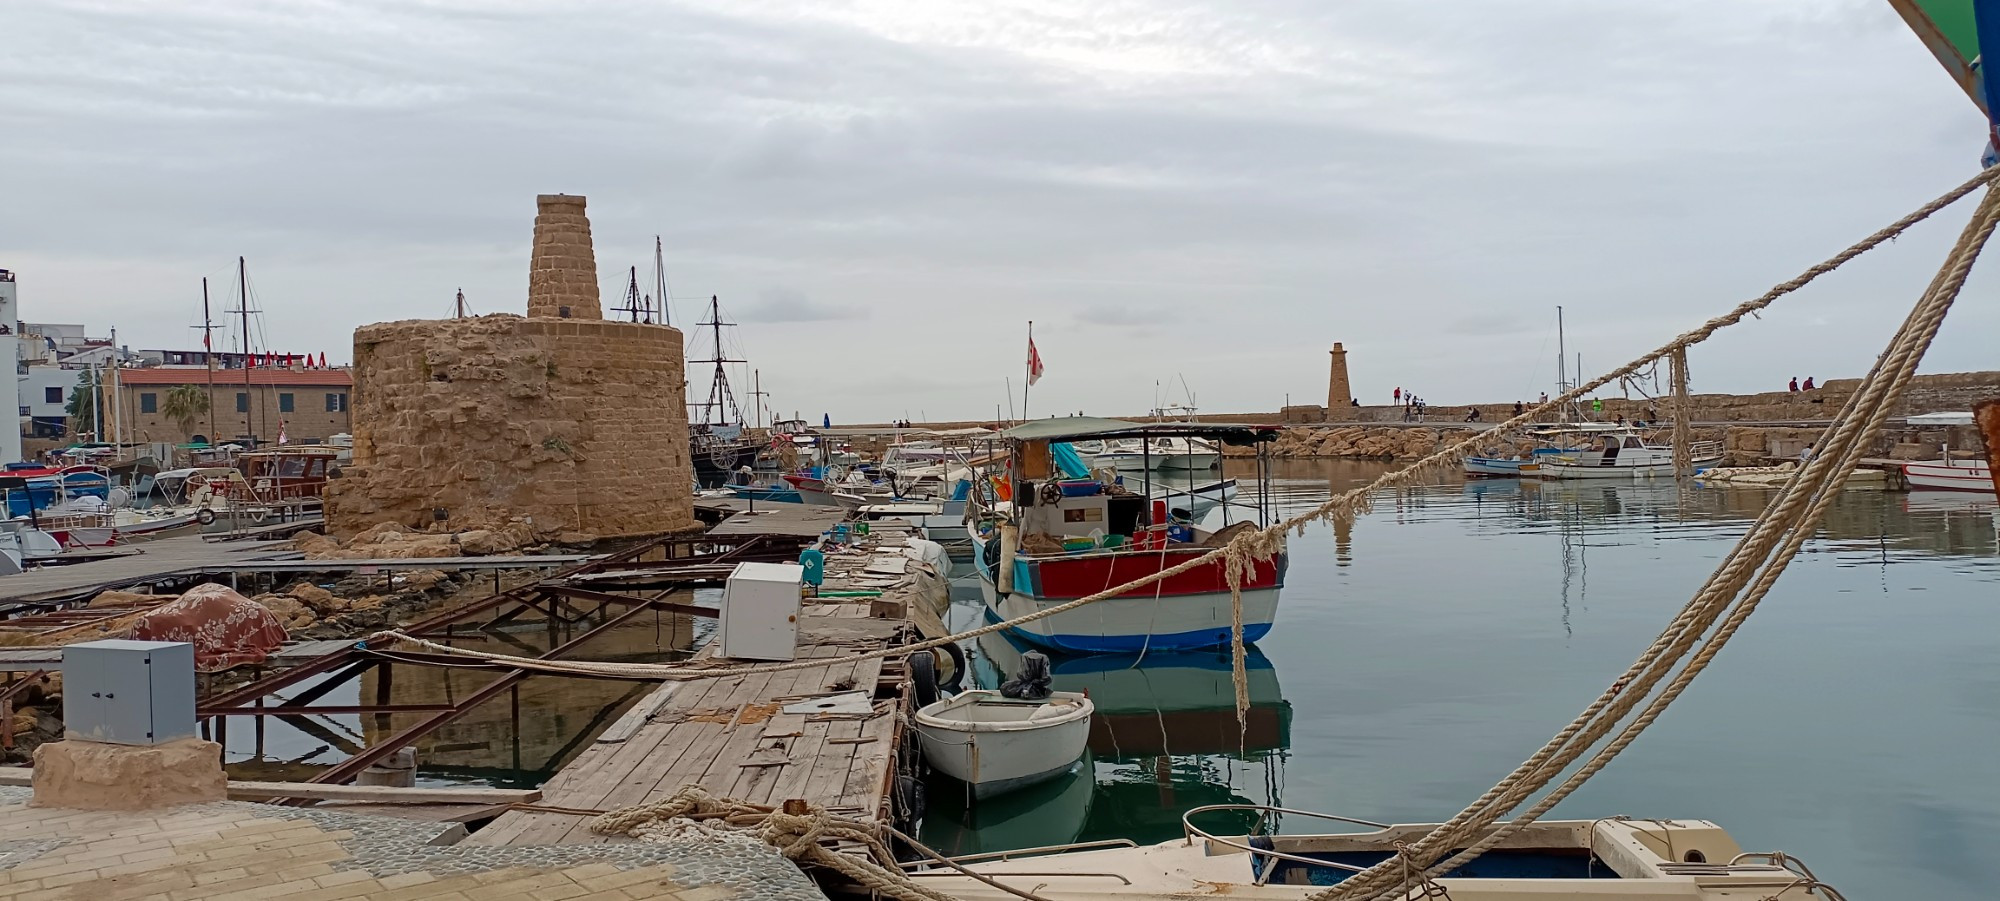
82, 406
185, 405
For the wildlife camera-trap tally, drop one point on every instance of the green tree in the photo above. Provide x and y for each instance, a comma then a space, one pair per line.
82, 408
185, 405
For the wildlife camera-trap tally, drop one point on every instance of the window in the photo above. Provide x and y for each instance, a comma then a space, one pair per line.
242, 402
336, 403
284, 402
149, 402
52, 395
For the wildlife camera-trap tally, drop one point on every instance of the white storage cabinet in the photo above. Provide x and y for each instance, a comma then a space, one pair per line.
760, 611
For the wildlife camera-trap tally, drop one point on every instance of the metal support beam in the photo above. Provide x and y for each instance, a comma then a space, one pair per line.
602, 597
354, 765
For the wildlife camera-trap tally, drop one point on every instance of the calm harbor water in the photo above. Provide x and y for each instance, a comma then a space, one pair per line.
1420, 655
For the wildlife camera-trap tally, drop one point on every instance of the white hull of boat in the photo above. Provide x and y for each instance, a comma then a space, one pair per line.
1132, 623
1557, 469
1957, 475
1611, 859
1492, 466
996, 744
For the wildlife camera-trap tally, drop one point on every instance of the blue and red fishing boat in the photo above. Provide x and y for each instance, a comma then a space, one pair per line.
1056, 537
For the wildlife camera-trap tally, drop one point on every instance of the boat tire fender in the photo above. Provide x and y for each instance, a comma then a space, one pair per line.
204, 516
957, 681
992, 555
923, 675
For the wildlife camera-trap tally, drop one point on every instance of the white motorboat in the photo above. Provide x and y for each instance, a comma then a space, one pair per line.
1607, 859
1165, 452
997, 744
1624, 455
1950, 475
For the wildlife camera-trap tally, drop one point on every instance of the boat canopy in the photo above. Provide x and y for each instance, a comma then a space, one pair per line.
1959, 418
1079, 428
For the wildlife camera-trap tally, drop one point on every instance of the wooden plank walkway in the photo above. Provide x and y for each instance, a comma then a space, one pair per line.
24, 660
731, 737
801, 520
158, 560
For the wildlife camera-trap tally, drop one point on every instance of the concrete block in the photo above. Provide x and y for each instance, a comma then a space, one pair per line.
86, 775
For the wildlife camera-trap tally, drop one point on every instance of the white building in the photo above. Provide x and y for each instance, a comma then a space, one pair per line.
10, 320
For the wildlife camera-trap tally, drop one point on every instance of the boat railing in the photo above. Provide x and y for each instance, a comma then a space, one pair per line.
1191, 832
1031, 852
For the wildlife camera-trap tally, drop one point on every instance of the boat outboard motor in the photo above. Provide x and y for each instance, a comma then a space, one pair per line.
1032, 682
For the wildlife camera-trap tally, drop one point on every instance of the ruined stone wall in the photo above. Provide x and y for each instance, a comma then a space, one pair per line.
579, 424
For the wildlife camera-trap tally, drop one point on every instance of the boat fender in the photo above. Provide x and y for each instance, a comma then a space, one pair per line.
259, 515
955, 680
1003, 578
204, 516
923, 677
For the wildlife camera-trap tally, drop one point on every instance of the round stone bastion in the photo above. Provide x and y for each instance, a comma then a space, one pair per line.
574, 425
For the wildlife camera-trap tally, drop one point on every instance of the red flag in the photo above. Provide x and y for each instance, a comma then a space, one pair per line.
1034, 363
249, 361
322, 359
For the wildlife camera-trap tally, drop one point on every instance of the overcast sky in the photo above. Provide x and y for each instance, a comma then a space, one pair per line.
883, 194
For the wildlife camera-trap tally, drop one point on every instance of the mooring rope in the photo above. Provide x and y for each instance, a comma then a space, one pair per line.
1737, 587
799, 837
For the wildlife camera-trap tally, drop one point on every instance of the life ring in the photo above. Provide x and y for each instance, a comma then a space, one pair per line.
204, 516
259, 515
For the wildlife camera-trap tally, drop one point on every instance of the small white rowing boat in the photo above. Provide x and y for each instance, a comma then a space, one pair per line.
997, 744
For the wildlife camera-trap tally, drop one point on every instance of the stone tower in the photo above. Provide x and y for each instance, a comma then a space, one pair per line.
1339, 392
557, 423
562, 268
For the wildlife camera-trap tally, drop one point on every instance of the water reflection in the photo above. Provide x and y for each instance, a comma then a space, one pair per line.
1165, 738
516, 740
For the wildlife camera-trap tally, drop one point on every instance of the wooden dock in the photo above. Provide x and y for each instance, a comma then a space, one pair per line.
735, 736
161, 560
732, 737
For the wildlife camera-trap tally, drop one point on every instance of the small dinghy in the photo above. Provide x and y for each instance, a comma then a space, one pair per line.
997, 744
998, 741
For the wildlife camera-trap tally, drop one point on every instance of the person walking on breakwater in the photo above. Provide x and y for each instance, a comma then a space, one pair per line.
1399, 394
1518, 407
1795, 383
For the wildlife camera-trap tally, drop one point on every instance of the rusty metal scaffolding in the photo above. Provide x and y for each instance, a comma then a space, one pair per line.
660, 566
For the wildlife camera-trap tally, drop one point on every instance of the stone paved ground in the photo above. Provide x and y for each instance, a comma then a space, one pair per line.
235, 851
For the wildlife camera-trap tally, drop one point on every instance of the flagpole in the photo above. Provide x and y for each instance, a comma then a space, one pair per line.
1029, 365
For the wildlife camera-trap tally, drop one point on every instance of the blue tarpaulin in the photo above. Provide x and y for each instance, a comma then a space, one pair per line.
1069, 461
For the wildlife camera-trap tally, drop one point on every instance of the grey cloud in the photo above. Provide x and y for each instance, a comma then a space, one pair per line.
782, 304
1284, 175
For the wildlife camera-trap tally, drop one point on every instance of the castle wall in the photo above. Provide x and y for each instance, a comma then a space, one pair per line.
579, 424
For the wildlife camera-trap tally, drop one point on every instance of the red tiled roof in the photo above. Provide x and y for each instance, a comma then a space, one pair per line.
189, 375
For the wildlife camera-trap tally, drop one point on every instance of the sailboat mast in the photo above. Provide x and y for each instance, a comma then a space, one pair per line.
660, 280
243, 307
208, 354
1562, 362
